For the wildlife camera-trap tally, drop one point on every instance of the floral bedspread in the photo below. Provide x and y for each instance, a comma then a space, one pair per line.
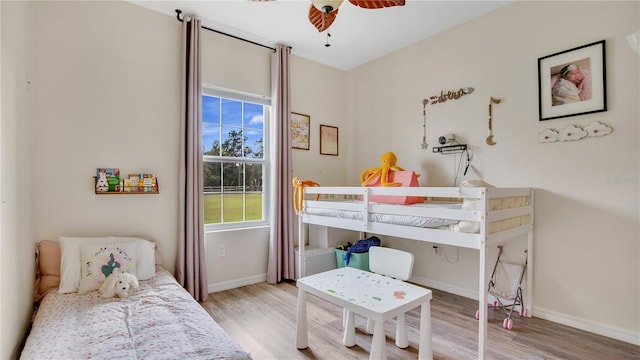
159, 320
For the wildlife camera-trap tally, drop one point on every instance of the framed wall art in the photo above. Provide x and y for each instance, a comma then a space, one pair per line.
328, 140
300, 126
572, 82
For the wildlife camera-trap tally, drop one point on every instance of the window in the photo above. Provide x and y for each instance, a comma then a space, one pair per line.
235, 161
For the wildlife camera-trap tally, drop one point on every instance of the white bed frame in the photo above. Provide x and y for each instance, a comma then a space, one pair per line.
478, 241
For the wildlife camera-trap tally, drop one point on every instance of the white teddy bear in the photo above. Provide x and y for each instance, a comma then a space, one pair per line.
118, 284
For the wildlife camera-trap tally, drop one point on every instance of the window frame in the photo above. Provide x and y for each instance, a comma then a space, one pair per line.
208, 90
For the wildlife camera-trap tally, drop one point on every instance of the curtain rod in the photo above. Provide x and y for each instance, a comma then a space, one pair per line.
178, 12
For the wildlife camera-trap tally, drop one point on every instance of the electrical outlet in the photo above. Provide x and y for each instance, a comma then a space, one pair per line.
221, 250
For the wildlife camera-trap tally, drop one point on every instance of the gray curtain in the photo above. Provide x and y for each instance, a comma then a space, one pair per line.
281, 255
191, 270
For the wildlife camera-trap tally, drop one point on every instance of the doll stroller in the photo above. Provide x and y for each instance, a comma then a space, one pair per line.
506, 287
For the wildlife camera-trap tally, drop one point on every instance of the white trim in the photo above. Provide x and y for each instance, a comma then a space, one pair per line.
212, 90
236, 283
444, 287
590, 326
563, 319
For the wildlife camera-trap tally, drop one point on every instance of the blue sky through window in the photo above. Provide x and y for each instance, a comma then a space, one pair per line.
220, 116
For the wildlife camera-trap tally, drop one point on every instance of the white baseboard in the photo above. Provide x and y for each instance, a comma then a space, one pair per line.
236, 283
445, 287
568, 320
590, 326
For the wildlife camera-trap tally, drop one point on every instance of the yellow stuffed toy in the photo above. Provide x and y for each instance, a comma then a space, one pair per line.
388, 162
298, 192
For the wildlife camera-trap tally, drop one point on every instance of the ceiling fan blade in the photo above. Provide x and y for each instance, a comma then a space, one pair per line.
377, 4
321, 20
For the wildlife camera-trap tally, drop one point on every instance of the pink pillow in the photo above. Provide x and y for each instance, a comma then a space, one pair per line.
405, 178
47, 267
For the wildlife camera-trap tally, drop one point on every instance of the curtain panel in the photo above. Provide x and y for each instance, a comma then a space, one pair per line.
191, 270
281, 255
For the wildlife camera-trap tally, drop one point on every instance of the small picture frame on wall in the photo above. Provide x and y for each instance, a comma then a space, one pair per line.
572, 82
300, 126
328, 140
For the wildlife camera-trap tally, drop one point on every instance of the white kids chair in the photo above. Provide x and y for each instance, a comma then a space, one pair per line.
398, 265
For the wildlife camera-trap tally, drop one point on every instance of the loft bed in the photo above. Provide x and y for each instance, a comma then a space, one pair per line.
468, 217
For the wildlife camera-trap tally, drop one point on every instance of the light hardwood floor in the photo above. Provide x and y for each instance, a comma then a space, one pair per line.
262, 318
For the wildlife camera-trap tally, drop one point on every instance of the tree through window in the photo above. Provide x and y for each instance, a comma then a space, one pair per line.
234, 158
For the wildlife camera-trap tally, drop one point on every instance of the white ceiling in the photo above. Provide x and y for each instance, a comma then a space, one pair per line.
357, 36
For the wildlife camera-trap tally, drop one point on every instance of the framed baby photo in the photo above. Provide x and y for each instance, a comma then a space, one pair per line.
572, 82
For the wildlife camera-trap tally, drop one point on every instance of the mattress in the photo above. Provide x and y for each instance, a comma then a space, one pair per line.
406, 220
159, 320
435, 222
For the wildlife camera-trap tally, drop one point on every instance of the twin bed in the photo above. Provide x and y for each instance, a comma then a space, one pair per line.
158, 320
467, 216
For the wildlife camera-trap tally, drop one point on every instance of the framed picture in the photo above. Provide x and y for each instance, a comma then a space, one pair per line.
328, 140
300, 125
572, 82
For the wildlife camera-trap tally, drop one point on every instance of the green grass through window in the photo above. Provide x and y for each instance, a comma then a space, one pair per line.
233, 207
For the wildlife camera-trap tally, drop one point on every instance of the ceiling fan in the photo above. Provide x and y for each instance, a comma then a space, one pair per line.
322, 13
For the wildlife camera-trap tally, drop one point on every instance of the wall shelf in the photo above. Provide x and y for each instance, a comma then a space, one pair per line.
138, 189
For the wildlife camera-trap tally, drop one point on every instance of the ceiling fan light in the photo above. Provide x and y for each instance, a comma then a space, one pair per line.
326, 6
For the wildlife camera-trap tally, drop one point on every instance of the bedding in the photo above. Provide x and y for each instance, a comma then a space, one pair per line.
433, 222
389, 218
159, 320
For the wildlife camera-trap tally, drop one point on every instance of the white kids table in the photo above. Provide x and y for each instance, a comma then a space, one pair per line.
374, 296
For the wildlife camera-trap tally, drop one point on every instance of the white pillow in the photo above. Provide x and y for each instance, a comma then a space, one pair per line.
98, 261
475, 183
70, 258
471, 204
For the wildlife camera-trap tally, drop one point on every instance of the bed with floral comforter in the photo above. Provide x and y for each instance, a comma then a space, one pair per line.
159, 320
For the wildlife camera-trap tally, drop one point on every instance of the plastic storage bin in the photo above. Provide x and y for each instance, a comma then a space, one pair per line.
356, 260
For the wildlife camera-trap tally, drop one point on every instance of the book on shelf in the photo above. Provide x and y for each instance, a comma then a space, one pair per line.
141, 183
112, 177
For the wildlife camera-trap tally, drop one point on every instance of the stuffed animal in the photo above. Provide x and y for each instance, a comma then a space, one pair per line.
388, 163
298, 192
102, 184
118, 284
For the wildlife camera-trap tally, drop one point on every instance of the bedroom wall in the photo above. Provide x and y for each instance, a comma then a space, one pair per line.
320, 92
106, 82
587, 192
16, 245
